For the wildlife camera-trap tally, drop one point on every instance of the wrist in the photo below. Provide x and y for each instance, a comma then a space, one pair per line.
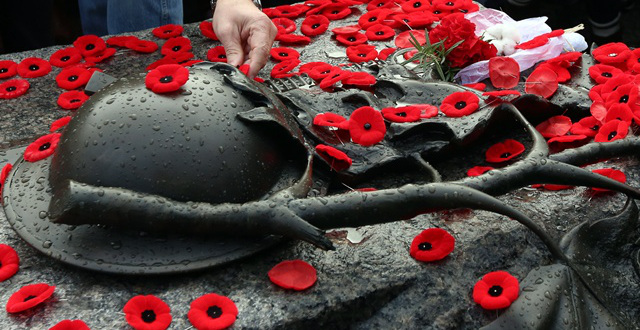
214, 3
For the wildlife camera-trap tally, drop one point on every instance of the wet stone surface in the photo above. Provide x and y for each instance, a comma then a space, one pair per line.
371, 284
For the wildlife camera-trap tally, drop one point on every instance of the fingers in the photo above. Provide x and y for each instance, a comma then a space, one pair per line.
260, 41
230, 38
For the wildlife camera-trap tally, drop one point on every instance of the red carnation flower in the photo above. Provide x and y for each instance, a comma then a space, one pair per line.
460, 104
479, 170
42, 148
29, 296
361, 53
206, 28
554, 126
613, 53
70, 325
601, 73
612, 174
338, 160
496, 290
217, 54
331, 120
8, 69
293, 274
293, 39
166, 78
72, 99
65, 57
504, 151
587, 126
335, 11
89, 45
282, 69
73, 77
175, 46
119, 41
13, 88
432, 244
33, 67
284, 25
542, 81
360, 78
168, 31
504, 72
284, 53
9, 260
405, 114
141, 46
314, 25
147, 313
59, 123
3, 177
352, 39
404, 39
335, 75
366, 126
612, 130
373, 17
454, 28
379, 32
212, 311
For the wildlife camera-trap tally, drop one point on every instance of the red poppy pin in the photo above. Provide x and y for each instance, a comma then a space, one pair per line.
212, 311
504, 151
13, 88
42, 148
460, 104
9, 260
496, 290
147, 313
166, 78
338, 160
432, 244
366, 126
70, 325
29, 296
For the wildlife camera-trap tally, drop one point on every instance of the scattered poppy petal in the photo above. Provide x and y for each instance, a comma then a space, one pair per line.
59, 123
404, 39
9, 260
293, 274
504, 72
612, 174
554, 126
70, 325
542, 81
432, 244
479, 170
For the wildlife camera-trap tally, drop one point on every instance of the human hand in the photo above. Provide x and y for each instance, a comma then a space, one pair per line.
246, 33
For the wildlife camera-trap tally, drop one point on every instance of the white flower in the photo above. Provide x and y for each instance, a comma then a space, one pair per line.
504, 37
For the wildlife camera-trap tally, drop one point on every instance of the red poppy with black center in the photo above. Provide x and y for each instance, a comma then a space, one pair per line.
377, 4
13, 88
612, 174
284, 53
432, 244
460, 104
610, 86
335, 12
362, 53
331, 120
72, 99
283, 69
416, 6
612, 130
335, 75
384, 54
284, 25
405, 114
33, 67
496, 290
70, 325
217, 54
601, 73
89, 45
626, 94
352, 39
414, 20
348, 29
141, 46
315, 66
293, 274
167, 31
105, 54
360, 78
147, 313
633, 62
119, 41
373, 17
174, 46
314, 25
468, 7
289, 11
595, 94
42, 148
542, 81
293, 39
65, 57
446, 5
59, 123
587, 126
619, 111
479, 170
212, 311
8, 69
206, 28
366, 126
554, 126
504, 72
9, 260
404, 39
504, 151
379, 32
29, 296
166, 78
614, 53
73, 77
